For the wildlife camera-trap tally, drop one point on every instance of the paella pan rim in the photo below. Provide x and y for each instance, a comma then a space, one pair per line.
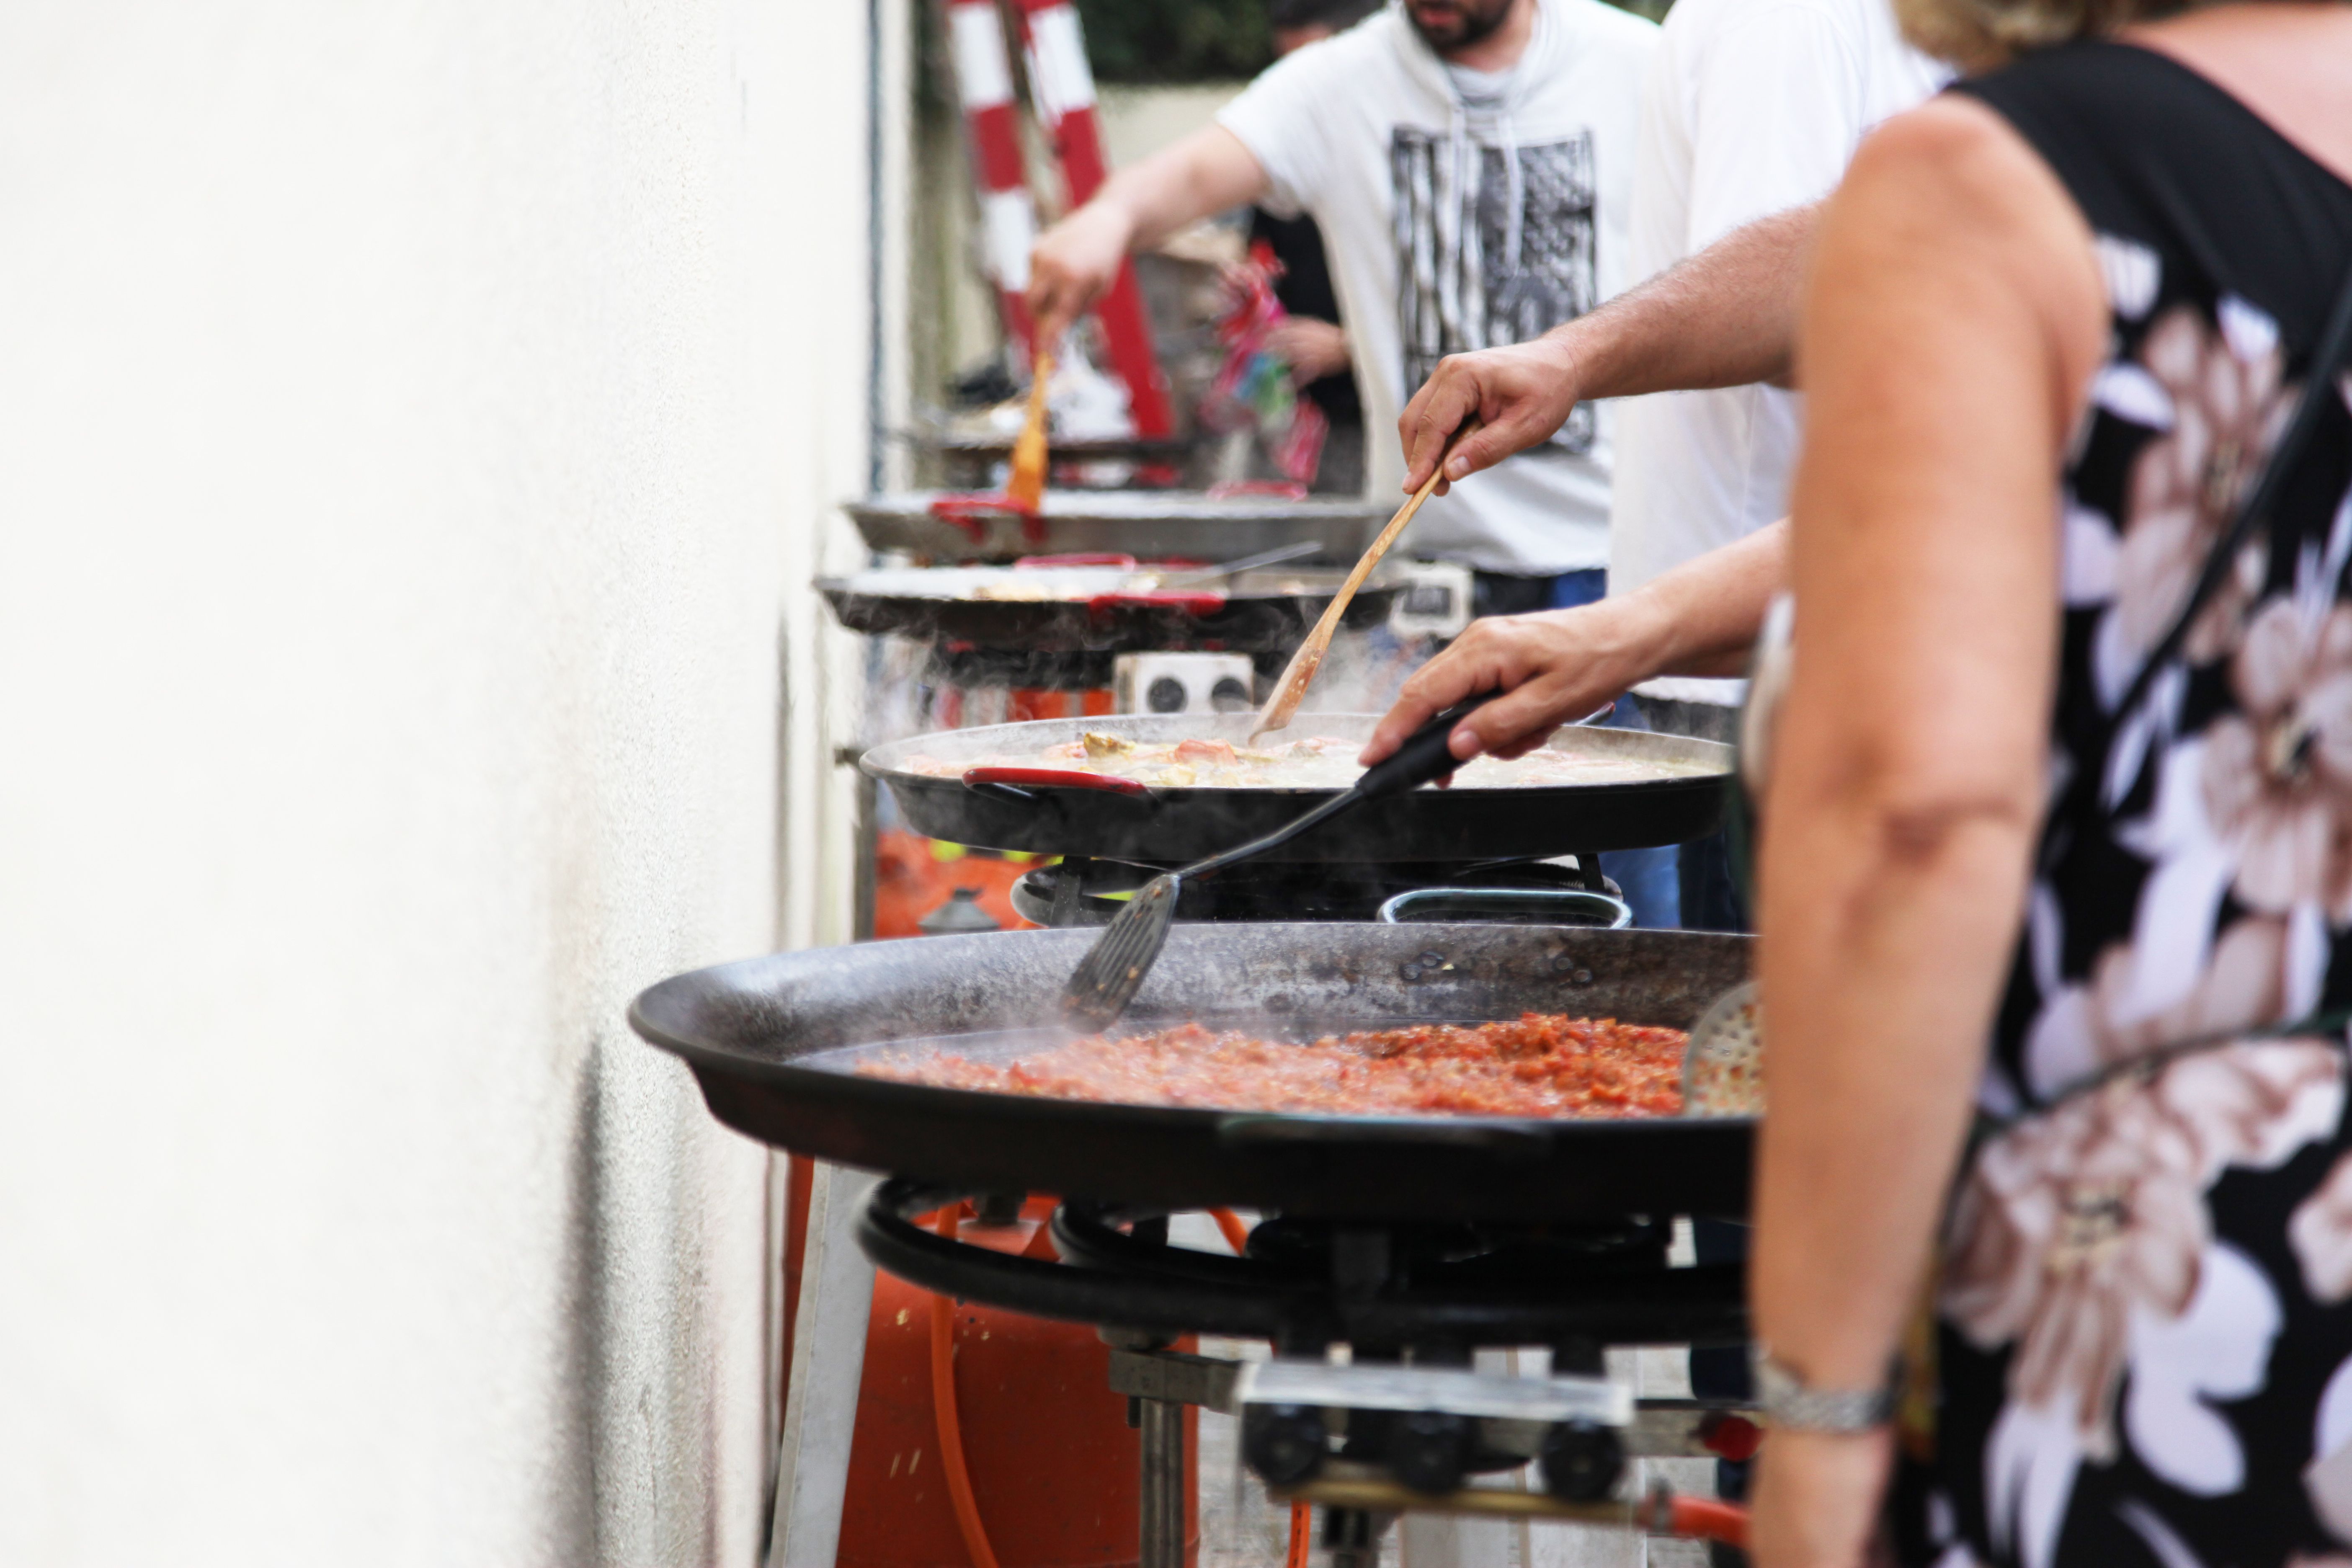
879, 761
961, 1101
1251, 618
1171, 825
743, 1029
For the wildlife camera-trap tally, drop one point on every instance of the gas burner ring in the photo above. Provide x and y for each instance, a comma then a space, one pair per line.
1310, 1284
1080, 892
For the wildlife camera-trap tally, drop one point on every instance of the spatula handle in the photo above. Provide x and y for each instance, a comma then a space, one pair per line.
1426, 755
1422, 758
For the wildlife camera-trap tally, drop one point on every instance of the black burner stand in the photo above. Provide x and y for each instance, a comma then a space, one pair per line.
1429, 1292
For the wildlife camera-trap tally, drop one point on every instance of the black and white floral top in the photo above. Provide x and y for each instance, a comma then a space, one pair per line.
2144, 1346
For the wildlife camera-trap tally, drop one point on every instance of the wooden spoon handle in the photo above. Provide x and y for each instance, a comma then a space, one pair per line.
1300, 672
1027, 484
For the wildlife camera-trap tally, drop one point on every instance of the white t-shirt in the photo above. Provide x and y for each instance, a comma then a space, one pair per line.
1455, 223
1752, 107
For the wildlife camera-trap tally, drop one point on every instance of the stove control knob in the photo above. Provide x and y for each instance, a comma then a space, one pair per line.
1283, 1444
1581, 1460
1429, 1450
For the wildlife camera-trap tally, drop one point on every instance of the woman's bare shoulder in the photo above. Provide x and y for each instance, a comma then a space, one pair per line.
1953, 161
2290, 63
1951, 260
1950, 196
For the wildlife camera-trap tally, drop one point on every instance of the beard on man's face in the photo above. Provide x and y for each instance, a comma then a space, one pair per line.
1456, 24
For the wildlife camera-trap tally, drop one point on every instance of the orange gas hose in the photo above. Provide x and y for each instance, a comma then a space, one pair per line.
1302, 1522
943, 1405
1704, 1518
1236, 1233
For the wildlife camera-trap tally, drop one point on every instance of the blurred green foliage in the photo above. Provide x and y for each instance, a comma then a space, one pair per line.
1176, 40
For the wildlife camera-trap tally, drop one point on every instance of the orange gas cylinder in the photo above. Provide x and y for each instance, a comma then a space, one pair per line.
914, 876
1024, 702
1056, 1469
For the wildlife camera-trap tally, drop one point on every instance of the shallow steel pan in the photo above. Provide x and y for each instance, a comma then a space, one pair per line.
771, 1041
1174, 825
1151, 525
1092, 612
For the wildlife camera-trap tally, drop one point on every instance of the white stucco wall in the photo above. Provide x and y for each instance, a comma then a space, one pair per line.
417, 421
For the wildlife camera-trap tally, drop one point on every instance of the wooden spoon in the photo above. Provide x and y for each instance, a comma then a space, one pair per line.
1026, 488
1300, 672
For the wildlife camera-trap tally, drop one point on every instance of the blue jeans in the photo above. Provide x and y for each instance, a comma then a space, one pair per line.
1650, 878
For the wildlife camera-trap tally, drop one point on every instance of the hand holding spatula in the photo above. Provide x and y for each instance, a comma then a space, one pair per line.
1113, 969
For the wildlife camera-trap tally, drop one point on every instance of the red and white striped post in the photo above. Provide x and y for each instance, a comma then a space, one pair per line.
1062, 90
1008, 214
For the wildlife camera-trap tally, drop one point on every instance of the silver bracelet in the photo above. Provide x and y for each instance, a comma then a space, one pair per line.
1790, 1404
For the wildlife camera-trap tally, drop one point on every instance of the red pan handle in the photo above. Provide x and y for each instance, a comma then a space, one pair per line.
1730, 1437
1053, 778
1704, 1518
972, 510
1075, 558
1280, 489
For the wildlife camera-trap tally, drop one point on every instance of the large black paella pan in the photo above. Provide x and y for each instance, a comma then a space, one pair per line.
774, 1043
1112, 609
1120, 821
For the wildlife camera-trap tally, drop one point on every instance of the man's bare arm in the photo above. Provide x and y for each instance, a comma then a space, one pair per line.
1724, 317
1701, 618
1078, 257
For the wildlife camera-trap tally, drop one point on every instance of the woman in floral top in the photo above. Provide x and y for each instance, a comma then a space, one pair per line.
2058, 321
2061, 783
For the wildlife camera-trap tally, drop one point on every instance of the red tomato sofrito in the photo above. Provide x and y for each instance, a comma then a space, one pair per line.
1541, 1064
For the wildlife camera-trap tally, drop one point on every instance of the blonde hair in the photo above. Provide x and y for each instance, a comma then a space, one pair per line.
1977, 35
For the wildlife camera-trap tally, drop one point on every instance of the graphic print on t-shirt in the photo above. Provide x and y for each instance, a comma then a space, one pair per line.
1457, 286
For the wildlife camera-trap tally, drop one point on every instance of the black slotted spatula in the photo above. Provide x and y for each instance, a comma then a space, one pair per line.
1112, 972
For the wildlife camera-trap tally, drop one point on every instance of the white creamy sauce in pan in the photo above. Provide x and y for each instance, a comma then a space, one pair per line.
1317, 761
1073, 585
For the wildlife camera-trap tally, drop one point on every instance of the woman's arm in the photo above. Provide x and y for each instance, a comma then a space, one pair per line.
1700, 618
1953, 320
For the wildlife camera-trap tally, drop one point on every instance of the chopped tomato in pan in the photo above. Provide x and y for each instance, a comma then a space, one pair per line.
1537, 1064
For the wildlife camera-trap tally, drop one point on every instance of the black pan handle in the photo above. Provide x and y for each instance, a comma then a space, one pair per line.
1423, 757
1262, 1130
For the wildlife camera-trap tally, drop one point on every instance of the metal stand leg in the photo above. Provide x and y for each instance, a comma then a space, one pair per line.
1353, 1537
828, 1364
1162, 1499
1069, 881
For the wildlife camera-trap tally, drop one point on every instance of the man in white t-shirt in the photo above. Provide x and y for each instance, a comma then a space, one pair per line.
1753, 107
1751, 112
1470, 163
